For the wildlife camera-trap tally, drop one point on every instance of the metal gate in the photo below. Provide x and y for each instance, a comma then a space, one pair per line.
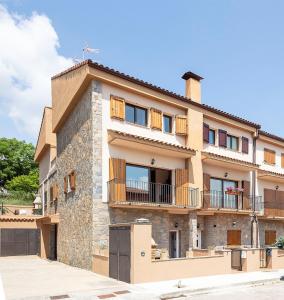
19, 242
119, 253
236, 259
263, 257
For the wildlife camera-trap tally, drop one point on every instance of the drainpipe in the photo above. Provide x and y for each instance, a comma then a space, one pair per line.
254, 222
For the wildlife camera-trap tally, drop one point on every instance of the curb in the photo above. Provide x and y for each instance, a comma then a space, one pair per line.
187, 292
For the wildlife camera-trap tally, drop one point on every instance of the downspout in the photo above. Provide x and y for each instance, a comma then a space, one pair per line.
254, 221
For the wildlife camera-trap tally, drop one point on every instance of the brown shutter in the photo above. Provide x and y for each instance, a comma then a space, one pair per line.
117, 173
246, 195
270, 237
269, 156
55, 192
234, 237
181, 125
206, 190
222, 138
279, 204
73, 180
156, 119
269, 202
117, 107
206, 133
182, 187
282, 160
65, 185
245, 145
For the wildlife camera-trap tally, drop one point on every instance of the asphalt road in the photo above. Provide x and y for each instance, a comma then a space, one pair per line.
261, 292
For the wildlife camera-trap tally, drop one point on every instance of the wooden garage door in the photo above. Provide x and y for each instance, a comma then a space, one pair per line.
234, 237
270, 237
19, 242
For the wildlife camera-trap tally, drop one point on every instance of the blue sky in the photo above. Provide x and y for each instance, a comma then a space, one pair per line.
237, 46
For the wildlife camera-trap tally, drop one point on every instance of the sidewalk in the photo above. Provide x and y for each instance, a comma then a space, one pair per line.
167, 289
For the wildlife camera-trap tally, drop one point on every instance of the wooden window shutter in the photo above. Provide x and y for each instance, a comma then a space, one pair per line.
245, 145
246, 195
222, 138
156, 119
269, 156
65, 185
117, 107
270, 237
282, 160
206, 190
73, 180
182, 187
234, 237
117, 176
269, 202
181, 125
55, 192
206, 133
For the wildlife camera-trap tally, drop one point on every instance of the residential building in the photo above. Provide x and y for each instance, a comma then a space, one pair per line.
127, 150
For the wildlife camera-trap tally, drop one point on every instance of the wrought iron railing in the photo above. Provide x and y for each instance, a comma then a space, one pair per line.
140, 192
218, 199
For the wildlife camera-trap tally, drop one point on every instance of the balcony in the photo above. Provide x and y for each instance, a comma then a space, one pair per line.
149, 195
219, 200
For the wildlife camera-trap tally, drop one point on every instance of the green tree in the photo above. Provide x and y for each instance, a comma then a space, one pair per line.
16, 159
24, 183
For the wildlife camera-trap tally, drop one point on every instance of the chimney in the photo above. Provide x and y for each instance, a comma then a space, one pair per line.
192, 86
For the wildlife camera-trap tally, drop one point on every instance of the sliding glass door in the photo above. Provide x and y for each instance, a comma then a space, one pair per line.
219, 198
149, 185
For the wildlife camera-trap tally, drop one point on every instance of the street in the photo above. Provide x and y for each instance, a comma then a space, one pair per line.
260, 292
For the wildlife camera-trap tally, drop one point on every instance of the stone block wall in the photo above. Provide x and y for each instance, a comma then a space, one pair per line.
264, 225
215, 229
75, 152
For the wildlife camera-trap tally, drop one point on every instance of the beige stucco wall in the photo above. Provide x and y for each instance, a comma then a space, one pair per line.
145, 270
46, 136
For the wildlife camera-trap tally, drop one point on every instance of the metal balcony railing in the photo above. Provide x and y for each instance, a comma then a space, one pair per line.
150, 193
218, 200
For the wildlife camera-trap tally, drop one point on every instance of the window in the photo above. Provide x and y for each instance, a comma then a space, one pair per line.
136, 115
167, 124
137, 177
269, 156
211, 136
218, 196
232, 143
245, 145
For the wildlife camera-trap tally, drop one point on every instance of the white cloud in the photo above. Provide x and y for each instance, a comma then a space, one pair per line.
28, 58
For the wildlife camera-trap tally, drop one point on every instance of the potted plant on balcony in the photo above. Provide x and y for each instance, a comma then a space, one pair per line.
234, 191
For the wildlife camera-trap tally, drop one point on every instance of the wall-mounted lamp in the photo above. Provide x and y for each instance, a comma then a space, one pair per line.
277, 187
226, 175
176, 224
234, 223
153, 161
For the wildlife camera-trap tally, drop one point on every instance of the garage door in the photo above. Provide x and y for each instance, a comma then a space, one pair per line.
19, 242
119, 253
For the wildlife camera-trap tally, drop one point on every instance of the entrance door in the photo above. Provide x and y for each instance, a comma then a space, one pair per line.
53, 242
175, 250
119, 253
270, 237
19, 242
161, 181
234, 237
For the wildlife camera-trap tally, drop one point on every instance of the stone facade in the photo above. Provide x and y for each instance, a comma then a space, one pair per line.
264, 225
75, 153
215, 229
